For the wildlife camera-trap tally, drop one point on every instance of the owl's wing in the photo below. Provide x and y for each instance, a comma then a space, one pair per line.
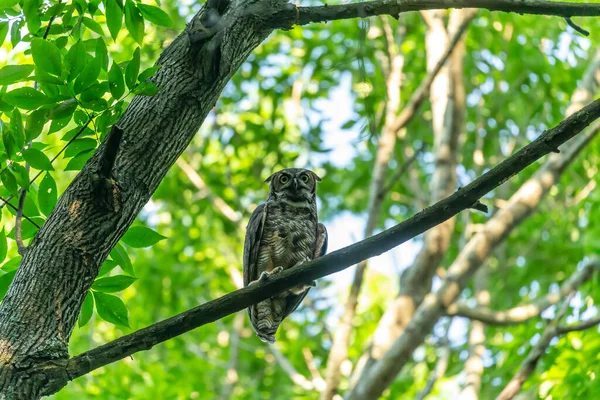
293, 301
254, 232
321, 247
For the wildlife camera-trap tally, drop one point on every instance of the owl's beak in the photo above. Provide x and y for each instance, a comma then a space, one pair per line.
295, 184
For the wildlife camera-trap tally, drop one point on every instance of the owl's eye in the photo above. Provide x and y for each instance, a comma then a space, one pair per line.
304, 178
284, 179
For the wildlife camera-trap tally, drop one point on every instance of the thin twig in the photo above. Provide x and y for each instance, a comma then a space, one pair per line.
401, 171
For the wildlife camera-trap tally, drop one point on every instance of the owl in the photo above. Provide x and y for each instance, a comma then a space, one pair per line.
283, 233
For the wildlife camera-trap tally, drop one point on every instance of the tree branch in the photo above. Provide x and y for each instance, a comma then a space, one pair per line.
291, 16
61, 371
410, 109
525, 312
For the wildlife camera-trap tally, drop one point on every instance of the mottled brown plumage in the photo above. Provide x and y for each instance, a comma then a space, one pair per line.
282, 233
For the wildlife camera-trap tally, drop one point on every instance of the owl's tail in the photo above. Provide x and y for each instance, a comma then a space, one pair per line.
265, 319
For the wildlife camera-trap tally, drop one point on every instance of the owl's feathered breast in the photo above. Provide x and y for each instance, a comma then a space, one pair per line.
289, 235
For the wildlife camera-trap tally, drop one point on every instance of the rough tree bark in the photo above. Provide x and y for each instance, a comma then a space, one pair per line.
519, 207
40, 308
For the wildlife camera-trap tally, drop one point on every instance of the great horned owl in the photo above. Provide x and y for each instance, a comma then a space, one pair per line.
282, 233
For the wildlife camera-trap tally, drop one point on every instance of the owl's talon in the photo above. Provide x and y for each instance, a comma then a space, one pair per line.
276, 270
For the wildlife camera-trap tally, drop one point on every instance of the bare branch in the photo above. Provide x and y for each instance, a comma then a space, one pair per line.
62, 371
287, 366
291, 16
525, 312
410, 109
205, 191
19, 220
581, 326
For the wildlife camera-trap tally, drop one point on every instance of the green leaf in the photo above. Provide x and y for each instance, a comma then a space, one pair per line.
25, 97
88, 76
21, 174
8, 3
15, 32
80, 145
102, 53
35, 124
9, 181
134, 21
148, 73
10, 144
3, 30
132, 70
32, 15
12, 264
108, 266
75, 60
119, 255
14, 73
113, 284
37, 159
16, 127
141, 236
111, 309
47, 194
114, 17
115, 81
94, 92
5, 281
93, 25
46, 56
77, 162
63, 110
87, 309
146, 89
3, 245
155, 15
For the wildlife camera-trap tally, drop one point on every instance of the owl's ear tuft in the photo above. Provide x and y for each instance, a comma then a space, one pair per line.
317, 178
269, 179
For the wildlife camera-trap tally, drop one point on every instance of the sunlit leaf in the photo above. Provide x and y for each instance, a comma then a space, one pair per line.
88, 76
132, 69
37, 159
113, 284
47, 194
111, 309
25, 97
141, 236
14, 73
155, 15
134, 21
87, 309
46, 56
115, 81
114, 17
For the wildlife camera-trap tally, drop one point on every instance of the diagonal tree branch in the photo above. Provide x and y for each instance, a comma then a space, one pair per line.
525, 312
305, 15
59, 372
